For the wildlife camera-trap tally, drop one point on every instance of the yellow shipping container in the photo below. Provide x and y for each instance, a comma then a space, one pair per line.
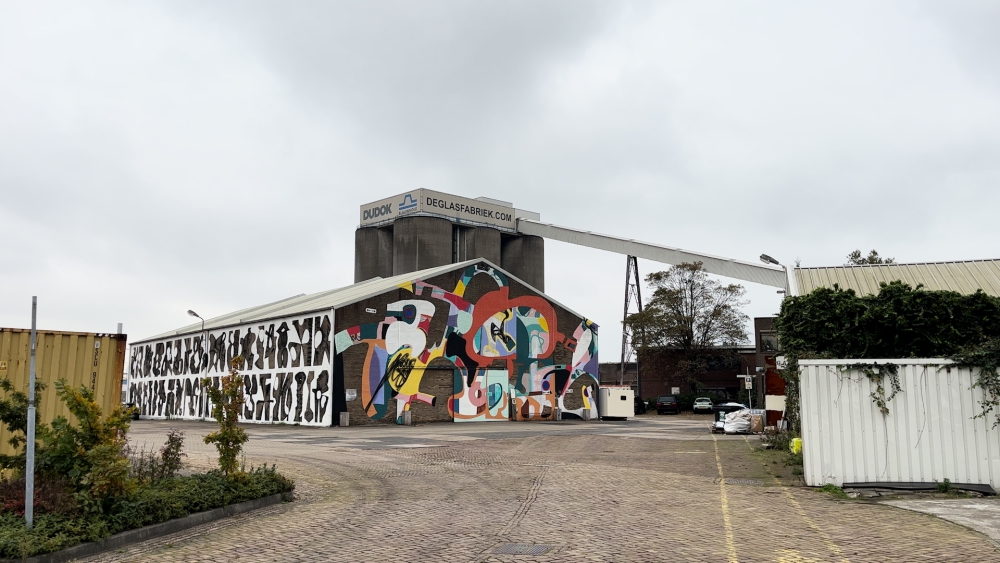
81, 358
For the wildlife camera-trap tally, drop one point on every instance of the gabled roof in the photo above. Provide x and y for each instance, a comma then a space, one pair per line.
330, 299
963, 277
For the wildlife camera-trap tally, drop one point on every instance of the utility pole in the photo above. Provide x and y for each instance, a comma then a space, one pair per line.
29, 469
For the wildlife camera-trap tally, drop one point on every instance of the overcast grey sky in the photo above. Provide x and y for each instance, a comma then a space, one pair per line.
157, 157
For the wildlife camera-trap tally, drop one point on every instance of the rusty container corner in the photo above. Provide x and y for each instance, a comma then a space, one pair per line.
95, 360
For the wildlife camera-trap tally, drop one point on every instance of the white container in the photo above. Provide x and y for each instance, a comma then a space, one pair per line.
616, 402
930, 434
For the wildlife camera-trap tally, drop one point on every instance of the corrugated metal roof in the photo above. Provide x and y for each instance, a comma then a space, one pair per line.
330, 299
963, 277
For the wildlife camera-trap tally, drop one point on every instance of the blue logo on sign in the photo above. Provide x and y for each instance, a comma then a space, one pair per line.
407, 203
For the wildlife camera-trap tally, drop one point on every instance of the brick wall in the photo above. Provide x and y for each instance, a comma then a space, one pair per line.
438, 380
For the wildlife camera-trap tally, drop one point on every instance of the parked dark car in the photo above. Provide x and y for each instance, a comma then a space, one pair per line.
667, 403
640, 406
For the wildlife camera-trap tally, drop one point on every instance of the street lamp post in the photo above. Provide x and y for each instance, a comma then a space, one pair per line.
204, 337
768, 260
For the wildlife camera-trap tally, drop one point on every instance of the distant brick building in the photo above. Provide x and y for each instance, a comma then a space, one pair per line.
665, 370
715, 370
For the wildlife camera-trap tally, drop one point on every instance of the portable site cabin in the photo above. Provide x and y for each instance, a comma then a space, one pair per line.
460, 342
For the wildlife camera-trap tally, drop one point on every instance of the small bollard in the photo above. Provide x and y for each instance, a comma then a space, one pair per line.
557, 414
345, 419
407, 418
586, 415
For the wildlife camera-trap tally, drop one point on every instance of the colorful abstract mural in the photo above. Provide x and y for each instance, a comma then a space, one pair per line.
487, 398
520, 332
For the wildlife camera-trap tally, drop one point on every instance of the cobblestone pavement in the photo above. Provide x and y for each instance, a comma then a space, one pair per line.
655, 489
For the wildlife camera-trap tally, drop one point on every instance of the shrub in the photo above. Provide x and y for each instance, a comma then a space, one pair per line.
151, 503
52, 494
14, 415
179, 496
171, 454
92, 455
147, 466
51, 532
900, 321
227, 401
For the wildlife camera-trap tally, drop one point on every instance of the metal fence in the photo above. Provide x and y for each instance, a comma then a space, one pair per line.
931, 432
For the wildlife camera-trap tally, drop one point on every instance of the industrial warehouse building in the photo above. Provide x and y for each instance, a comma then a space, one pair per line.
462, 341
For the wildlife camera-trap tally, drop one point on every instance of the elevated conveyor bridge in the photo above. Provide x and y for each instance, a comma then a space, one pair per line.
726, 267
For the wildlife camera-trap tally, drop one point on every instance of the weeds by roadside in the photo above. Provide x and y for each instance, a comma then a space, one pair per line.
833, 490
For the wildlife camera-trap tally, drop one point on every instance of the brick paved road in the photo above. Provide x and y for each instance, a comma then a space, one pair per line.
647, 490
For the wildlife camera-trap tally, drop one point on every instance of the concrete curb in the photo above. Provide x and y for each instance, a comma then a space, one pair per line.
156, 530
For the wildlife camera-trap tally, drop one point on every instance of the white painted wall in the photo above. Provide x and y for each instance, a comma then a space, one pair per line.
930, 433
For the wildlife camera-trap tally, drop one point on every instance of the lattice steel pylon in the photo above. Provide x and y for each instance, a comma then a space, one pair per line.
632, 295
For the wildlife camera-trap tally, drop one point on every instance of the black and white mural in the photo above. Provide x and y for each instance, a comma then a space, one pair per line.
287, 371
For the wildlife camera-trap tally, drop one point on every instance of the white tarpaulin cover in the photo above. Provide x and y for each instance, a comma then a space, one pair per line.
737, 422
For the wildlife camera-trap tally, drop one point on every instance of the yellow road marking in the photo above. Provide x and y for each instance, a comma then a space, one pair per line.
805, 518
730, 543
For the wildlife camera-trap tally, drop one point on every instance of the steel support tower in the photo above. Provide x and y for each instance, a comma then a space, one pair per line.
632, 295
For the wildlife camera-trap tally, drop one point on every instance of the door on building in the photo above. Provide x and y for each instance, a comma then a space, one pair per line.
484, 400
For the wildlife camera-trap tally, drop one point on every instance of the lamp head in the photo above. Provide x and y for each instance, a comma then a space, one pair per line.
768, 260
193, 314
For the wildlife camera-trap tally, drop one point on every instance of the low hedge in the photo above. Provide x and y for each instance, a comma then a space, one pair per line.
152, 503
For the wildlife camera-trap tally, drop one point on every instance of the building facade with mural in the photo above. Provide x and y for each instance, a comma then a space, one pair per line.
464, 342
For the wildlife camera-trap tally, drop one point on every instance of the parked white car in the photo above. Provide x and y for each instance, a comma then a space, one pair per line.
703, 405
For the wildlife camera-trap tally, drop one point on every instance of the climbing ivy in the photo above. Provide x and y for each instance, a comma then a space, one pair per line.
986, 358
876, 373
900, 321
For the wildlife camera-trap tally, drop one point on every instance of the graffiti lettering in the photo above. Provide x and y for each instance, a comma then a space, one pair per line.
165, 374
399, 370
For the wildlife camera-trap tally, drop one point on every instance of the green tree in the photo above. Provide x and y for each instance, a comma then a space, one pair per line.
856, 259
227, 401
690, 311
